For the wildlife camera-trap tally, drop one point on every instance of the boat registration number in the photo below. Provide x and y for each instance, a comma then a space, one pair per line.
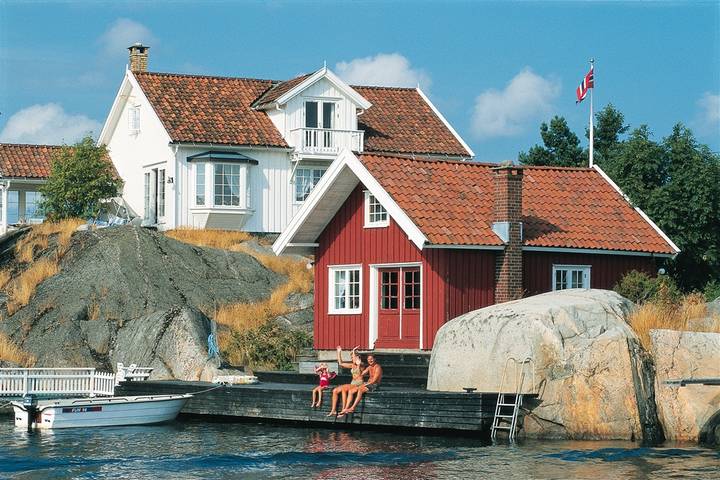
81, 409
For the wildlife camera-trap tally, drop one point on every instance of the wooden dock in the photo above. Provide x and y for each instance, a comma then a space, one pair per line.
390, 407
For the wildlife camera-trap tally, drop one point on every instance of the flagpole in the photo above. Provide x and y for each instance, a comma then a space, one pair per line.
592, 62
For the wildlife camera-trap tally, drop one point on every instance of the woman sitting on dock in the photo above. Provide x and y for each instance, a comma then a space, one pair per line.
356, 370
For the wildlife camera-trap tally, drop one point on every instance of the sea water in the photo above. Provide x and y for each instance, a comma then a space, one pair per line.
195, 449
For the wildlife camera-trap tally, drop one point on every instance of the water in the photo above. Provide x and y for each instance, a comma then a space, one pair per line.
194, 449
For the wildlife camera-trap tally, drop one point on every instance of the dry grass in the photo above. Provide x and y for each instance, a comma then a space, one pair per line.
10, 352
38, 238
5, 276
683, 317
93, 311
243, 317
21, 290
224, 239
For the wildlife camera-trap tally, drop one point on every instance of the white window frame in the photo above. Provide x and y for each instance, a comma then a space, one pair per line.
332, 310
321, 101
134, 119
313, 169
366, 207
161, 195
585, 269
205, 168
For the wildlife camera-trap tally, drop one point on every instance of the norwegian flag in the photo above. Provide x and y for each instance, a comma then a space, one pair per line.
587, 83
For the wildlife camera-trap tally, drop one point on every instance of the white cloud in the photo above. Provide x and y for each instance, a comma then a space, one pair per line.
123, 33
708, 119
47, 124
502, 113
384, 69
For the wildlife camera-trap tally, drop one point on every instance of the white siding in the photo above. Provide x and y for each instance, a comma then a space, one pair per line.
132, 153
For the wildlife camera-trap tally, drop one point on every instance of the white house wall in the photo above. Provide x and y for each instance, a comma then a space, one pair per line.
270, 190
132, 153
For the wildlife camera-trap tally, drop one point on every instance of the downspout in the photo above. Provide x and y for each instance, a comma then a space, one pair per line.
176, 189
5, 185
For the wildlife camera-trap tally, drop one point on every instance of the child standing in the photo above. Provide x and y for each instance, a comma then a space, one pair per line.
325, 377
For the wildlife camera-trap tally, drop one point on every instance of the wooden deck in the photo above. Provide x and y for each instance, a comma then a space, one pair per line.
390, 407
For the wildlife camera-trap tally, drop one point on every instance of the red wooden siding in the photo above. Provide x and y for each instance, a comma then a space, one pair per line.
453, 281
605, 270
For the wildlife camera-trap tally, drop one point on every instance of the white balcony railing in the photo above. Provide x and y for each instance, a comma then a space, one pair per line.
326, 141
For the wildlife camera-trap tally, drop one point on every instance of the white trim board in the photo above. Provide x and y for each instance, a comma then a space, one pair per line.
446, 123
595, 251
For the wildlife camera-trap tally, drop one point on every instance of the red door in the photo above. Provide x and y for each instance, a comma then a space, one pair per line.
399, 308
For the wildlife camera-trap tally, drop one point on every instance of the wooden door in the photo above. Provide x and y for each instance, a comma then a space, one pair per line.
399, 308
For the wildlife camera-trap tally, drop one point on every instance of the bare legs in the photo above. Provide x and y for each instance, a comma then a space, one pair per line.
341, 390
317, 395
360, 392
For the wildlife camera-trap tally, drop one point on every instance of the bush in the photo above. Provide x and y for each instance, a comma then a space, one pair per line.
640, 288
712, 290
80, 177
268, 346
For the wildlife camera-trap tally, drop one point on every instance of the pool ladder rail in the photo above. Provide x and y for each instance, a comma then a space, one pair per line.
504, 419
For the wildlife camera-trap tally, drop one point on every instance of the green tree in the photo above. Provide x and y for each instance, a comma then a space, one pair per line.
561, 147
609, 126
80, 176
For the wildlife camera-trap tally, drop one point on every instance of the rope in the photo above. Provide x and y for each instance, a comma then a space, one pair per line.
206, 390
213, 350
3, 405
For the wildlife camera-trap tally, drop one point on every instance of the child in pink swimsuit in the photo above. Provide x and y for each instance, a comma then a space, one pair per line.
325, 377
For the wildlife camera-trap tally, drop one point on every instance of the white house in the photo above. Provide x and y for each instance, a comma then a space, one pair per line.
243, 153
23, 169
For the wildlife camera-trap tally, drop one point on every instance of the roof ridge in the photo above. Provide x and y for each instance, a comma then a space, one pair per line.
550, 167
217, 77
381, 87
43, 145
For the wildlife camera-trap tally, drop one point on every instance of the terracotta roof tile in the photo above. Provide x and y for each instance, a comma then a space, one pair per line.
279, 89
26, 161
452, 202
401, 121
204, 109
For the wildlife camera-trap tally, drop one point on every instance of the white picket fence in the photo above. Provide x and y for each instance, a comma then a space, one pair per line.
17, 382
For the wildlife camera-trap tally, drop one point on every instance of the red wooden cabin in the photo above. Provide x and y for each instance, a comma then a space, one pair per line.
403, 245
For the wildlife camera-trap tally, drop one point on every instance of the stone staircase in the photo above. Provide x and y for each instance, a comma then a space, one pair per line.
400, 370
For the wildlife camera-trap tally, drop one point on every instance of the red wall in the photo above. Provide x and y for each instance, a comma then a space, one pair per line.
345, 241
605, 270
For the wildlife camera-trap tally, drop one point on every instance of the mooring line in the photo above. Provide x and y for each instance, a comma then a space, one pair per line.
207, 390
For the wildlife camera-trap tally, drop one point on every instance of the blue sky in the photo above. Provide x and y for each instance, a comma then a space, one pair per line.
495, 69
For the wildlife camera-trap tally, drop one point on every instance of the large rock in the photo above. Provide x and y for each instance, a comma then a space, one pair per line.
132, 295
594, 379
687, 411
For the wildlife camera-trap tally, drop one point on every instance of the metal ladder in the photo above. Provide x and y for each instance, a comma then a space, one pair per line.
504, 420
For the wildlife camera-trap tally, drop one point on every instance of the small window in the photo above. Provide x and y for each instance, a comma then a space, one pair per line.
134, 119
305, 181
33, 211
227, 184
375, 213
312, 116
13, 207
411, 284
389, 290
146, 203
200, 184
345, 290
571, 276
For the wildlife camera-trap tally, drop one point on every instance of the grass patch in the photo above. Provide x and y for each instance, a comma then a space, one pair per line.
248, 336
21, 290
10, 352
686, 315
38, 238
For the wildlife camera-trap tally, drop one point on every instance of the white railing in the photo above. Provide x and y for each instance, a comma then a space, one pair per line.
17, 382
131, 373
326, 141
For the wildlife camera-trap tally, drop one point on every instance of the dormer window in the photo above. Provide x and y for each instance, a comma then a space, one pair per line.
134, 119
375, 214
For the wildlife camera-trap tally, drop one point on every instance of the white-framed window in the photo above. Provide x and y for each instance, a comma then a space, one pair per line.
134, 118
13, 207
227, 184
375, 213
200, 184
146, 198
305, 180
32, 207
570, 276
345, 289
161, 193
319, 114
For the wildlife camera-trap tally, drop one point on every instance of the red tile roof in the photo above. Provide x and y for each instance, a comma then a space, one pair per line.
279, 89
401, 121
202, 109
451, 202
219, 110
26, 161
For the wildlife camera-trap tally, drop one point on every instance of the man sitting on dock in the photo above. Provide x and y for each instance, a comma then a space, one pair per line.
372, 385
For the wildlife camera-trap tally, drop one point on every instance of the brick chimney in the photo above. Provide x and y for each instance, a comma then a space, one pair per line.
138, 57
507, 224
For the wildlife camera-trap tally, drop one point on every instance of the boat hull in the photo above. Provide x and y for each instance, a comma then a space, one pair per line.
102, 412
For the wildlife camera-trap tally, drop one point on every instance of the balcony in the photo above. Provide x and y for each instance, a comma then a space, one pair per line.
321, 141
